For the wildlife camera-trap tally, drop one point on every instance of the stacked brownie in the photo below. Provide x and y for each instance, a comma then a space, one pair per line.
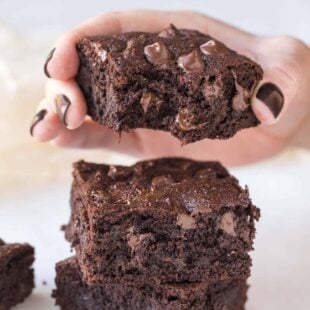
16, 274
169, 233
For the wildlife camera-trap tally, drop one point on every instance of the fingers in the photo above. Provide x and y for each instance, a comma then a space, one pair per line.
93, 135
66, 99
283, 60
45, 125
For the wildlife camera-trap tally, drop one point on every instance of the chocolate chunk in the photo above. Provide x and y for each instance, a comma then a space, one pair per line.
184, 121
191, 62
157, 53
169, 32
228, 224
213, 47
242, 98
149, 99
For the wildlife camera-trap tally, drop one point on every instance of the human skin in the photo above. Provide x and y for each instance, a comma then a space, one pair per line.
281, 101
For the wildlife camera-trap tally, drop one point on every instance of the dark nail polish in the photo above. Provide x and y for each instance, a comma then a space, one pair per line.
37, 118
272, 97
49, 57
62, 103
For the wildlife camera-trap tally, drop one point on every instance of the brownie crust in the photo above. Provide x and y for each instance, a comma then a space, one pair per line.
172, 219
16, 274
73, 293
181, 81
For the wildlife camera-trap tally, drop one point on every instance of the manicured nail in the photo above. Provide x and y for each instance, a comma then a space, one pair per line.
49, 57
272, 97
62, 103
37, 118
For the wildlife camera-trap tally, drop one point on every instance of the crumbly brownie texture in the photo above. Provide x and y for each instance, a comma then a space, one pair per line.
73, 293
181, 81
173, 219
16, 274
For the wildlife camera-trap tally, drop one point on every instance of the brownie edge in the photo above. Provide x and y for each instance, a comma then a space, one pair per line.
181, 81
16, 274
73, 293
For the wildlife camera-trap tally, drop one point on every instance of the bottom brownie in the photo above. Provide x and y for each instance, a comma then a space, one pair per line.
16, 274
73, 293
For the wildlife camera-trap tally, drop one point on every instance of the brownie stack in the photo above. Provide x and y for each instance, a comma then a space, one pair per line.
170, 233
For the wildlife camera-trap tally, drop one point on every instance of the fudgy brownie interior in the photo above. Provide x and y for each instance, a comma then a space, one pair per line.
181, 81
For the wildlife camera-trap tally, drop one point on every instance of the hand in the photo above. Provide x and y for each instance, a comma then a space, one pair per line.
281, 101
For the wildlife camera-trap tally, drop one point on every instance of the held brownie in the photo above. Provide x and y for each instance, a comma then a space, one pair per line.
73, 293
16, 274
173, 219
180, 81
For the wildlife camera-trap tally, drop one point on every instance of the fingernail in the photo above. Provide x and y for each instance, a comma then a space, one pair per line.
272, 97
62, 103
37, 118
49, 57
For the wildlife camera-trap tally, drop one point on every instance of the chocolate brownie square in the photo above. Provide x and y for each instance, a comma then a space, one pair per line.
172, 219
16, 274
73, 293
181, 81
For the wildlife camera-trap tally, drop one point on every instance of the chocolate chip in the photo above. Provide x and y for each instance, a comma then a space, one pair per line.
157, 53
102, 54
191, 62
228, 224
213, 47
169, 32
184, 121
161, 181
149, 99
242, 97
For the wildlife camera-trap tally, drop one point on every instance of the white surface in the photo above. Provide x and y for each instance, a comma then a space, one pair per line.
280, 276
264, 16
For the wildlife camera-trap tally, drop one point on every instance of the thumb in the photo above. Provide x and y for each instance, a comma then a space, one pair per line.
284, 61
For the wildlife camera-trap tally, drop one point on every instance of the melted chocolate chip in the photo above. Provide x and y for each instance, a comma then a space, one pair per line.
103, 54
161, 181
169, 32
157, 53
191, 62
241, 100
184, 121
228, 224
207, 173
149, 99
213, 47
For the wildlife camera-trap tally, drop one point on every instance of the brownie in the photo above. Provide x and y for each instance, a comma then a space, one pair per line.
181, 81
73, 293
16, 274
172, 219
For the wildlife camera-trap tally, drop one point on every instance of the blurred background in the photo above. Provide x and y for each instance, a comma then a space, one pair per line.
35, 179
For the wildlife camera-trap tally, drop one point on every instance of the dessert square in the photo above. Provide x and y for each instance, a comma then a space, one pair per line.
16, 274
172, 219
181, 81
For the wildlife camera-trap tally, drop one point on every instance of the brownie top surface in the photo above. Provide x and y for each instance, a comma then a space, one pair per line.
7, 249
169, 184
192, 51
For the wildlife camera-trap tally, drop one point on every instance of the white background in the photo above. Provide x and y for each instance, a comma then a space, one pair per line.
280, 187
